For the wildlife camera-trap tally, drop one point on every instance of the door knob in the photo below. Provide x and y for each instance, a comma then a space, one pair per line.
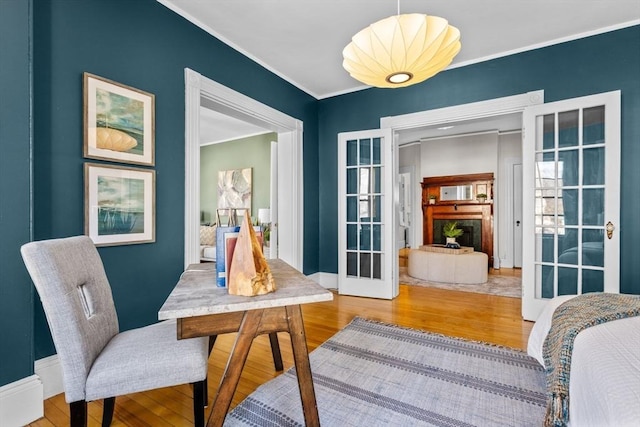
517, 223
610, 229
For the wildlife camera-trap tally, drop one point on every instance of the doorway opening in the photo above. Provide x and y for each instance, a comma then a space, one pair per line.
410, 129
200, 90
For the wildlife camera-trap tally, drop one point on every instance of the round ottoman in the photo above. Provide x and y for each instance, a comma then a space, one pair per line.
469, 268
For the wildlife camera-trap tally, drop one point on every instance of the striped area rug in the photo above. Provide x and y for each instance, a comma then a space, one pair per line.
374, 374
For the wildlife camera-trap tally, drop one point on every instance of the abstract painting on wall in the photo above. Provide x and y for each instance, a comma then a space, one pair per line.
234, 189
119, 204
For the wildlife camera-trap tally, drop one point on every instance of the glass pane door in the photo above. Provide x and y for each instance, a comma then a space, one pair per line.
574, 181
365, 215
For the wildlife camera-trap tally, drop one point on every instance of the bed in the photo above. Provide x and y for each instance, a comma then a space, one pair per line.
604, 386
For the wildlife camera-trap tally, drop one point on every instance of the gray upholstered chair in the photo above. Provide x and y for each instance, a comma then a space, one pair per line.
98, 361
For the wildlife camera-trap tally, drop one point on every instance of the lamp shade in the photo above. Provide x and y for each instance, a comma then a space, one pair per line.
401, 50
264, 215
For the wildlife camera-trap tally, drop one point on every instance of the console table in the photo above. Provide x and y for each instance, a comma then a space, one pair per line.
203, 309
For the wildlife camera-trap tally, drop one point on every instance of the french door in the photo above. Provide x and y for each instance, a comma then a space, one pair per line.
367, 264
571, 204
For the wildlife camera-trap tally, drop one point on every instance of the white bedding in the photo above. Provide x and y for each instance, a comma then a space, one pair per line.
604, 387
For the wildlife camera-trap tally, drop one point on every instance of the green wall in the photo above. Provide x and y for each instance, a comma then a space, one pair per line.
596, 64
16, 291
253, 152
146, 46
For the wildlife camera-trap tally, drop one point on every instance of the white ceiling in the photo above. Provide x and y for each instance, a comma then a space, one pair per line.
217, 127
302, 40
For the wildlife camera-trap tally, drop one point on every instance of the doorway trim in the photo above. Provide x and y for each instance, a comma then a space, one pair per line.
200, 89
475, 110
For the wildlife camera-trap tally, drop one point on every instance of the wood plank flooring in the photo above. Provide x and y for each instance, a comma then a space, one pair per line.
478, 317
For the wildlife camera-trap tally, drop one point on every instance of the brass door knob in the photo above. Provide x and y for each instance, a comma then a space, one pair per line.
610, 229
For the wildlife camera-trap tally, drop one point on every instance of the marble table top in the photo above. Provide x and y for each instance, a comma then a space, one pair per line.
196, 293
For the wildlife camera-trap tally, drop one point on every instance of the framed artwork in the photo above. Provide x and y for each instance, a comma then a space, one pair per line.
119, 204
119, 122
234, 189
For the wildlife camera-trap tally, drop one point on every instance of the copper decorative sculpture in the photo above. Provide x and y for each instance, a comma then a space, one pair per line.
249, 274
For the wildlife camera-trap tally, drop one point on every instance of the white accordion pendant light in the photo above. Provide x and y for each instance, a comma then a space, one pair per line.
401, 50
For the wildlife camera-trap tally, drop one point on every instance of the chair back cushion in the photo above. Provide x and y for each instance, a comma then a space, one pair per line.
77, 301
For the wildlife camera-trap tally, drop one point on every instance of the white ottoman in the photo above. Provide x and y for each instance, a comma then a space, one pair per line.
470, 268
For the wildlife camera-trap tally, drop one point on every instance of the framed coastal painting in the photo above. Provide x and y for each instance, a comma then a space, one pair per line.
119, 204
119, 122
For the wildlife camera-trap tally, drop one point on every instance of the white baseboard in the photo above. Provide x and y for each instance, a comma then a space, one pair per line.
21, 402
326, 280
50, 373
505, 263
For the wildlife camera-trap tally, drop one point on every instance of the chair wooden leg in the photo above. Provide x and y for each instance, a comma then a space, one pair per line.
199, 402
109, 405
275, 351
212, 341
78, 413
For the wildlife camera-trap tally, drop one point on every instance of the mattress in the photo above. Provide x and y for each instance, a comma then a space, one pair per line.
604, 386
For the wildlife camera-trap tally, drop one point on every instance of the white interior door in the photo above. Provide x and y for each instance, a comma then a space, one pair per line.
571, 187
517, 215
367, 166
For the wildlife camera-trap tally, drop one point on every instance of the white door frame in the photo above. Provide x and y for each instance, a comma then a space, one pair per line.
507, 212
273, 202
290, 185
409, 238
516, 215
474, 110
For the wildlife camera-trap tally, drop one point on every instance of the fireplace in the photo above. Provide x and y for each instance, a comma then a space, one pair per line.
471, 237
474, 217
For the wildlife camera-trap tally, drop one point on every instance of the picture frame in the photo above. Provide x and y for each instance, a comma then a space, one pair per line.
235, 189
119, 204
119, 122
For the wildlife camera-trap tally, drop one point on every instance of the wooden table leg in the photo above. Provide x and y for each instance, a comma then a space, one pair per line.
303, 367
275, 351
247, 332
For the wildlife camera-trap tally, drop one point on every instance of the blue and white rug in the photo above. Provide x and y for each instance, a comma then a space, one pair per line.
373, 374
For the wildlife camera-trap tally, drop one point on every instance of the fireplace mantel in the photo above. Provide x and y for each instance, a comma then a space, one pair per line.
459, 210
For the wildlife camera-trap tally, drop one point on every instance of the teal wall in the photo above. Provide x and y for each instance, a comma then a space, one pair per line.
253, 152
587, 66
147, 46
16, 291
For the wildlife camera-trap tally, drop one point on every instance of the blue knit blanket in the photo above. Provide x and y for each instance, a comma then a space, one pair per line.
568, 320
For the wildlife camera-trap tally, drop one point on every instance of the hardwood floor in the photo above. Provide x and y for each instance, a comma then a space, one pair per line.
479, 317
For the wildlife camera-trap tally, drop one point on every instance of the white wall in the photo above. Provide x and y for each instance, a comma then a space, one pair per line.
460, 155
